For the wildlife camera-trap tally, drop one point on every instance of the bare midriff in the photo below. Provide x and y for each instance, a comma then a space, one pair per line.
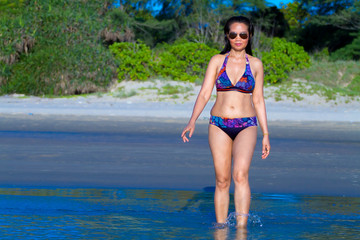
233, 104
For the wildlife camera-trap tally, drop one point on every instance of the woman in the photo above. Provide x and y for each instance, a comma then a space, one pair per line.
239, 79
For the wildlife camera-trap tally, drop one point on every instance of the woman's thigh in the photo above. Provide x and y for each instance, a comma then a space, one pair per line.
243, 149
221, 147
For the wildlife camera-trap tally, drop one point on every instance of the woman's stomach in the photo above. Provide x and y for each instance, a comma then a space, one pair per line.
233, 105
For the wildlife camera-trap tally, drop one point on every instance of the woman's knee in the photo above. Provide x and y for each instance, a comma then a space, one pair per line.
241, 177
223, 183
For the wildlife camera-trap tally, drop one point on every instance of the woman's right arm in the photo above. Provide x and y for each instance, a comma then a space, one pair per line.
203, 96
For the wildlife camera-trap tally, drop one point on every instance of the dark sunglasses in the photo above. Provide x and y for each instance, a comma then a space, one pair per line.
242, 35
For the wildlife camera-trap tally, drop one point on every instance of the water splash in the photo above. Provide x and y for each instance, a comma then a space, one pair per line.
253, 219
220, 225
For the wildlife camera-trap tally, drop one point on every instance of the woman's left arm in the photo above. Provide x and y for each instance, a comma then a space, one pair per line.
259, 104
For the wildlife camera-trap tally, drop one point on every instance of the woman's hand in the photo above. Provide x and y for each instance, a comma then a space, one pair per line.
265, 147
189, 128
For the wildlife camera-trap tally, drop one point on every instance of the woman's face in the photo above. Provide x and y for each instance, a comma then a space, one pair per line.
241, 33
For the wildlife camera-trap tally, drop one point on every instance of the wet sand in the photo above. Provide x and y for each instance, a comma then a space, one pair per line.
320, 158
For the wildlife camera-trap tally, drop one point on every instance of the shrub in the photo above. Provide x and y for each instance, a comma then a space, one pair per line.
283, 58
184, 61
349, 52
52, 47
322, 55
134, 60
69, 70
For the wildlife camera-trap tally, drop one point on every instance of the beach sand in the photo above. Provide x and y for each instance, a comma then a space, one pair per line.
151, 101
319, 158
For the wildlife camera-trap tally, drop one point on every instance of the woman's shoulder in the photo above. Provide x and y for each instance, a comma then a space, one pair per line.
255, 62
218, 58
254, 59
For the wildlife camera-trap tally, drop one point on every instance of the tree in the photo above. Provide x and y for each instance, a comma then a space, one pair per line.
347, 19
204, 21
344, 14
199, 20
294, 14
325, 7
339, 18
271, 21
135, 17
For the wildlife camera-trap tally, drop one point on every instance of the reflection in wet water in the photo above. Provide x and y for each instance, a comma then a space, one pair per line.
163, 214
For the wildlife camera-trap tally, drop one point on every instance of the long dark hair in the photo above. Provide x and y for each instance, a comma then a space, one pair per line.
238, 19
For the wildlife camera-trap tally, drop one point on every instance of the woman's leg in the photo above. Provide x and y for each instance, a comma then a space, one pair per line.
221, 145
243, 149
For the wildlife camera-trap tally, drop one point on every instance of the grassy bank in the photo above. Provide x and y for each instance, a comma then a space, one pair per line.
329, 80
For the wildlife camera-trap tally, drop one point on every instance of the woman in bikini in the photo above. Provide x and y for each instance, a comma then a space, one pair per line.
239, 79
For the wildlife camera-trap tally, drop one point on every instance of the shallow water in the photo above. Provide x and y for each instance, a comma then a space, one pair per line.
48, 165
79, 213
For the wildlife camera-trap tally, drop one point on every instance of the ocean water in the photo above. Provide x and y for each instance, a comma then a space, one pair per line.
94, 213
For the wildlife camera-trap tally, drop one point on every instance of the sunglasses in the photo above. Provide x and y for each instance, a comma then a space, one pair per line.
242, 35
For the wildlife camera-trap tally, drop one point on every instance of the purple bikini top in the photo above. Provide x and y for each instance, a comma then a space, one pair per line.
245, 84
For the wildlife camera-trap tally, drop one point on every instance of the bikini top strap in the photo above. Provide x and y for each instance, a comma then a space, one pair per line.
248, 68
226, 59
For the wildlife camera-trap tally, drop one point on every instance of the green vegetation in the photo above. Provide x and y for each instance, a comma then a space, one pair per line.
174, 92
55, 48
134, 60
11, 5
188, 61
121, 93
349, 52
170, 90
184, 61
165, 90
341, 75
283, 58
327, 79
